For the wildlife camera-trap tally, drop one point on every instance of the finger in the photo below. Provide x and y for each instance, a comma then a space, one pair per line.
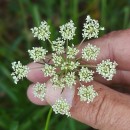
109, 110
35, 74
114, 46
33, 99
51, 95
121, 77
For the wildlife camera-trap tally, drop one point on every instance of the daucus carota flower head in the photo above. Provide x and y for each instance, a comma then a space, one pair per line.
37, 53
62, 107
39, 90
68, 30
20, 71
42, 32
87, 93
90, 52
67, 65
107, 69
85, 74
91, 28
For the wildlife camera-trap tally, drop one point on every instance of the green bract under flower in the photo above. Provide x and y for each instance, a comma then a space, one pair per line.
67, 65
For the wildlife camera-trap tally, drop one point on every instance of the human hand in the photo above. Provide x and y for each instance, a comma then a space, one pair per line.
110, 110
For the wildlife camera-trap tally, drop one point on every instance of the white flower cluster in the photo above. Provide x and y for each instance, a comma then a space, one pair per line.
48, 70
39, 91
68, 30
42, 32
58, 46
90, 52
65, 66
58, 82
37, 53
62, 107
71, 65
20, 71
91, 28
85, 74
107, 69
72, 52
87, 93
57, 60
70, 79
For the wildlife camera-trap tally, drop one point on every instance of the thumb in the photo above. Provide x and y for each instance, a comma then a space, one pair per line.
110, 110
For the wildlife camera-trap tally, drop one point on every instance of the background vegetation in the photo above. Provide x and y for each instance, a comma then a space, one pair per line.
16, 19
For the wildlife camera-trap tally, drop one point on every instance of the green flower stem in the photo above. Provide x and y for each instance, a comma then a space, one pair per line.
48, 119
50, 41
89, 66
66, 48
81, 42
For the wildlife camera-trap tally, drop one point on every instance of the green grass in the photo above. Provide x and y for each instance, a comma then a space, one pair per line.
16, 19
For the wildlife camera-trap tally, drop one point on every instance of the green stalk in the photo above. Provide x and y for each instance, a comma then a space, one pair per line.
48, 119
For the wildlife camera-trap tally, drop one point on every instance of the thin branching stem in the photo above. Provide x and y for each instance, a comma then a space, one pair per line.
48, 119
89, 66
81, 42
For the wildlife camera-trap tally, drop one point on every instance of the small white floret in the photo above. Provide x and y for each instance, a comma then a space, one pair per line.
69, 65
42, 32
61, 107
72, 52
37, 53
68, 30
90, 52
20, 71
39, 91
85, 74
91, 28
57, 60
70, 79
107, 69
58, 82
87, 93
58, 46
48, 70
